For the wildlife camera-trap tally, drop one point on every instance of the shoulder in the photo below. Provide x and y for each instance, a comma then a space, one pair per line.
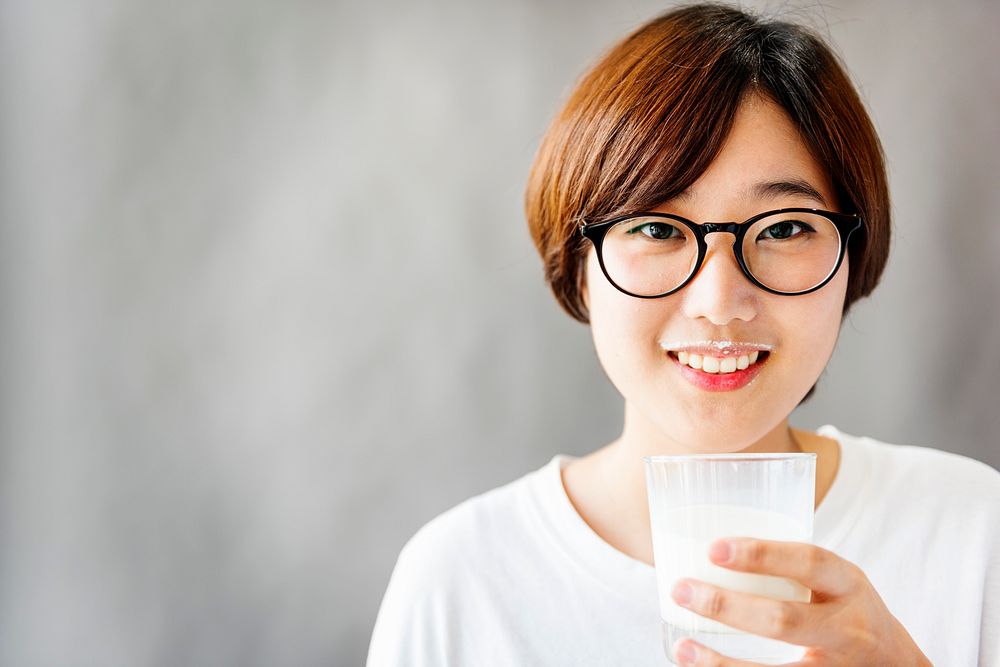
472, 534
945, 468
454, 567
935, 475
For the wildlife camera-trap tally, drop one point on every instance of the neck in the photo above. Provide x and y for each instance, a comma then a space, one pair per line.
641, 438
608, 487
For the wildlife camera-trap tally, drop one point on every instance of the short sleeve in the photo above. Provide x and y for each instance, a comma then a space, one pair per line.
989, 633
409, 629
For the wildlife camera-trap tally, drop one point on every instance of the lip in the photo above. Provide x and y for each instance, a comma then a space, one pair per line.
720, 381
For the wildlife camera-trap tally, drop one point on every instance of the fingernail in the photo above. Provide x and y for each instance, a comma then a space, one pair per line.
683, 593
720, 551
686, 653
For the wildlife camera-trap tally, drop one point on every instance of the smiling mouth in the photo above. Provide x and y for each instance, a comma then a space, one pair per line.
720, 365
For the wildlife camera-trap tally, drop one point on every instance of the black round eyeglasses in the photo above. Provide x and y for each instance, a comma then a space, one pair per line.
788, 251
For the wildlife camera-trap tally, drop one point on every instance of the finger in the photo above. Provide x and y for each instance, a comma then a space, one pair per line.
793, 622
702, 656
816, 568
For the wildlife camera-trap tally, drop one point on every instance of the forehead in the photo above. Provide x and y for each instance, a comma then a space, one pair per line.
763, 159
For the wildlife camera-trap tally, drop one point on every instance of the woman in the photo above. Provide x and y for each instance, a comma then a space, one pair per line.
713, 334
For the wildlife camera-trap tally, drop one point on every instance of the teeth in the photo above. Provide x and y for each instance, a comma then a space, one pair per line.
717, 365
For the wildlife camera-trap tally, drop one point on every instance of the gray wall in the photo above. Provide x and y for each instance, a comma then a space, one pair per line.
268, 302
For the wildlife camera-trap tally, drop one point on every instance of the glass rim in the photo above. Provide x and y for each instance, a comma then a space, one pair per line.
753, 456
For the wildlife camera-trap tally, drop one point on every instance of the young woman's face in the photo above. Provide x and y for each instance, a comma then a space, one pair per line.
679, 407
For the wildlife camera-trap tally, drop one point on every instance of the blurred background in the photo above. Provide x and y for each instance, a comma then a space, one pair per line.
268, 302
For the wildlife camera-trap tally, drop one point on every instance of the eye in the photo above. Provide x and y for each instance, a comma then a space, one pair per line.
659, 231
784, 230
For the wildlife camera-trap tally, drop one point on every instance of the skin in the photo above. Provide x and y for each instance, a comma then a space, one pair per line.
664, 414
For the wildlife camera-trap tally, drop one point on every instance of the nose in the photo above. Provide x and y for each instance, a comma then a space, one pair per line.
720, 292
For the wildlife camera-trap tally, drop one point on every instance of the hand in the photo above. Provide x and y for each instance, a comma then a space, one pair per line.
845, 623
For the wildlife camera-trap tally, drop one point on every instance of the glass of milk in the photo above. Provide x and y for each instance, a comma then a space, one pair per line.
696, 499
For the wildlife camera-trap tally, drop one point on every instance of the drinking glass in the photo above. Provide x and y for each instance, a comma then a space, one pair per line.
696, 499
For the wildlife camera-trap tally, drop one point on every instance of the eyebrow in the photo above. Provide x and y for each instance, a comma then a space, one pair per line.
793, 186
772, 189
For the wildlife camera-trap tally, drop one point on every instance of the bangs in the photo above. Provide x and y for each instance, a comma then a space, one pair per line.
658, 128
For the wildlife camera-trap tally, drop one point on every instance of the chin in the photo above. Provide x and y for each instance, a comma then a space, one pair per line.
708, 438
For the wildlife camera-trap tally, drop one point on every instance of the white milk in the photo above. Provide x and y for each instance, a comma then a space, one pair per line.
681, 537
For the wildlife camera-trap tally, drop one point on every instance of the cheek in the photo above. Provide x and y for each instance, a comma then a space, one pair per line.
816, 323
611, 311
625, 329
835, 293
607, 323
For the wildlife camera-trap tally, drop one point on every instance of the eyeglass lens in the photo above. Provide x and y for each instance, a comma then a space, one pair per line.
786, 252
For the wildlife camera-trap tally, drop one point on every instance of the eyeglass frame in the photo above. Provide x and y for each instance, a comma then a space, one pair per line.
846, 224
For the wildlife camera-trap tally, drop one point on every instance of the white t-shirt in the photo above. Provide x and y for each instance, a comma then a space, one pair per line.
516, 577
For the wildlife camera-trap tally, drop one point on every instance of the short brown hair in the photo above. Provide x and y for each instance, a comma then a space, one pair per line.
650, 117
